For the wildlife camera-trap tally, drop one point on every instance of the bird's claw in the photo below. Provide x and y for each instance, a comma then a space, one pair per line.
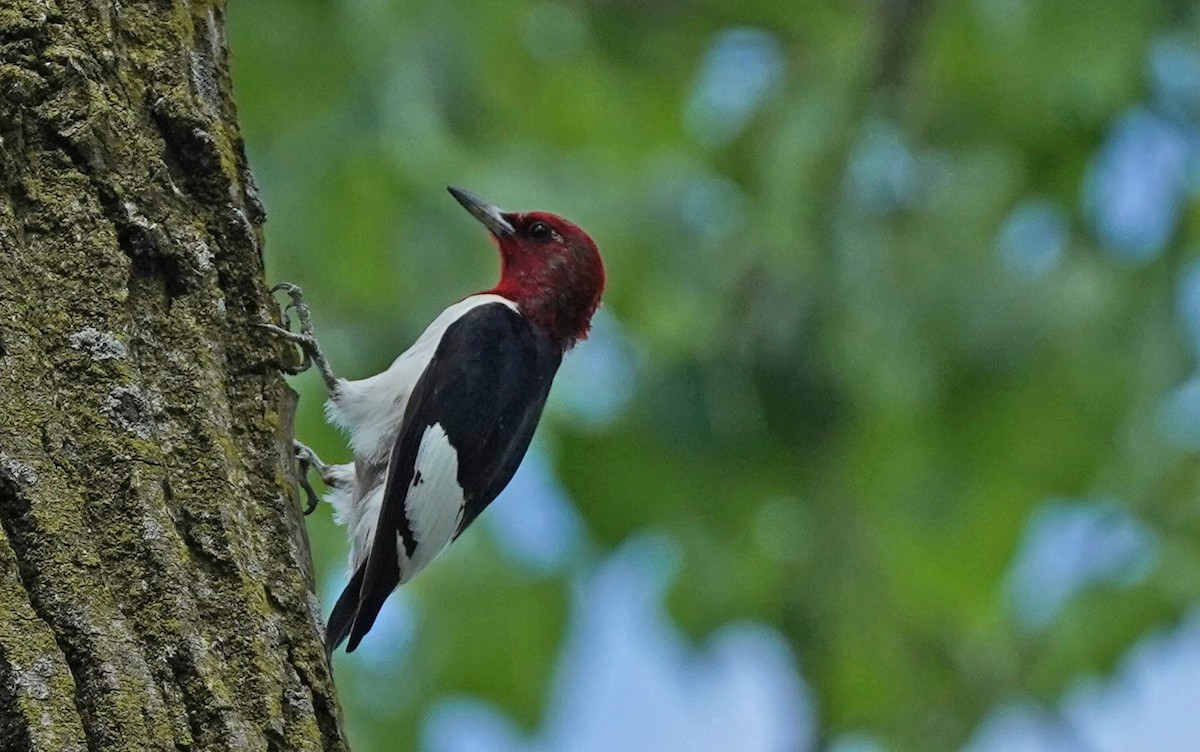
305, 459
297, 304
305, 338
311, 500
305, 342
288, 286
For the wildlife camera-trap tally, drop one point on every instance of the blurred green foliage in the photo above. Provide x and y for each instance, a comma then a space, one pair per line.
847, 406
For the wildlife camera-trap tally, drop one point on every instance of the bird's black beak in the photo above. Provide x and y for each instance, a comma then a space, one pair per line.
489, 214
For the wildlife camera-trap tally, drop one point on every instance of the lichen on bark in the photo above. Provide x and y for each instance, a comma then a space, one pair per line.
155, 584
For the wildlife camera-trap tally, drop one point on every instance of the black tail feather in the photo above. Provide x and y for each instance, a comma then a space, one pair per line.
364, 618
345, 611
381, 575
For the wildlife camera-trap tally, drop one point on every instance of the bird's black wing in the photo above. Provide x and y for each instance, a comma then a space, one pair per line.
484, 388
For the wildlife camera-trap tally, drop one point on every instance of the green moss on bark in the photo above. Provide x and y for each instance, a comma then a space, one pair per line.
155, 583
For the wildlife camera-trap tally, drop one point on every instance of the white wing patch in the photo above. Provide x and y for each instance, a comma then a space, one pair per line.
434, 502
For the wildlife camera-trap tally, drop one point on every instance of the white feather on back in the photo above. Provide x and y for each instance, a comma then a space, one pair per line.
434, 503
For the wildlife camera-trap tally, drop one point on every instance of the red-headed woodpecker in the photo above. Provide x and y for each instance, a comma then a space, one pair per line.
440, 433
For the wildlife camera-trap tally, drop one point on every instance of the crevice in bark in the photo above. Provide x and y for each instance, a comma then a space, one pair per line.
16, 520
154, 255
14, 731
191, 155
327, 713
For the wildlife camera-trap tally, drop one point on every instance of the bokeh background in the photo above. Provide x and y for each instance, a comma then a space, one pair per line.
886, 437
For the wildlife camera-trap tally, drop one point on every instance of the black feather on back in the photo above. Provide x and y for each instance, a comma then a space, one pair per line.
486, 386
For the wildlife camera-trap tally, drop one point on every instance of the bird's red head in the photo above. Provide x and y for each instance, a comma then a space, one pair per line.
549, 267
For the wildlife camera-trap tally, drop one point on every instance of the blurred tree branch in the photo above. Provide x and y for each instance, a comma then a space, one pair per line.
899, 26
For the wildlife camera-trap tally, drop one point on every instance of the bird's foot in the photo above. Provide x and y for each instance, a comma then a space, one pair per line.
305, 339
305, 459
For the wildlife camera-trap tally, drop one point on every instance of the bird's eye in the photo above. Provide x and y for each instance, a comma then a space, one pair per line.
540, 231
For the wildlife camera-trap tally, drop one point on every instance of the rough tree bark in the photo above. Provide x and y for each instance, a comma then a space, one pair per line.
155, 584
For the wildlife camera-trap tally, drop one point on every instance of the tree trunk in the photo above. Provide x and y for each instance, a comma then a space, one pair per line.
155, 583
